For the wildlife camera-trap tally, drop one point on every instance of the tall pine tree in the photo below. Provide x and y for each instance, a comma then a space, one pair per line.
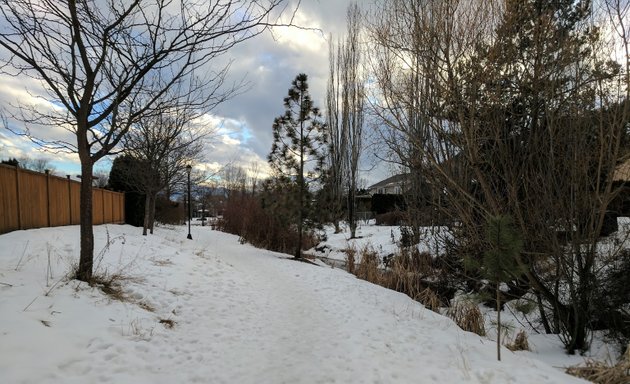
297, 153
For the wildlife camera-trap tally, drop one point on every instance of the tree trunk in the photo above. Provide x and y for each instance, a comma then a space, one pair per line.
581, 312
352, 220
298, 251
152, 212
147, 210
543, 315
498, 321
86, 259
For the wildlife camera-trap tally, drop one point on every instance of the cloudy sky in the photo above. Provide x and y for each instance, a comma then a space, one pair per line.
269, 63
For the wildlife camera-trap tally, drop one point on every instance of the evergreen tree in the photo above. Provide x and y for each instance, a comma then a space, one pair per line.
123, 177
297, 153
499, 261
11, 161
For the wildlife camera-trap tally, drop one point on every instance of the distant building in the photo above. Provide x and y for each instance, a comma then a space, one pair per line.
394, 185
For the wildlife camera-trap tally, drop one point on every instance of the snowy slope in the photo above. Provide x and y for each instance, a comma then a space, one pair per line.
241, 315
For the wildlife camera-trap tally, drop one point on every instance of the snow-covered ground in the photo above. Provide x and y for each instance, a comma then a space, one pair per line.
385, 241
238, 315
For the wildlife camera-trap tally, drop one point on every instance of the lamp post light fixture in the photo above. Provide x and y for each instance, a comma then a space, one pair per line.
188, 169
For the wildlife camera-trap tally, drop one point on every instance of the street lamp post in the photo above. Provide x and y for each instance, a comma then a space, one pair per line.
188, 169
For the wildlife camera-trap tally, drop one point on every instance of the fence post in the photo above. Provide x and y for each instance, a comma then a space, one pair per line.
69, 197
17, 190
47, 171
103, 205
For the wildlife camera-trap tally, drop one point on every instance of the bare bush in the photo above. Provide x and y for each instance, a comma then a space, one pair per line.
369, 265
520, 342
244, 216
350, 259
467, 316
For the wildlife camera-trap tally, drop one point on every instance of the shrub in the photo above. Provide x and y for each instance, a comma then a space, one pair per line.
402, 275
384, 203
390, 218
368, 267
350, 259
429, 299
525, 306
406, 236
245, 217
467, 316
169, 212
612, 298
520, 342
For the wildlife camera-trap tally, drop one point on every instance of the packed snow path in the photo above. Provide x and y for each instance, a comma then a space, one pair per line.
239, 315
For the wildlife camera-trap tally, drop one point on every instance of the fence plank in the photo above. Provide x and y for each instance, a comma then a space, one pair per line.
76, 203
97, 202
33, 199
59, 202
9, 213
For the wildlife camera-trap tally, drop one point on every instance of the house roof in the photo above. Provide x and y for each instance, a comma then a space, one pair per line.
622, 171
391, 180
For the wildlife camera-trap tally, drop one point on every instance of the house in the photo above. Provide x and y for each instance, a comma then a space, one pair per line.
622, 172
394, 185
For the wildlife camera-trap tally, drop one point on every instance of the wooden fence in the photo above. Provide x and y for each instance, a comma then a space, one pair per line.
34, 200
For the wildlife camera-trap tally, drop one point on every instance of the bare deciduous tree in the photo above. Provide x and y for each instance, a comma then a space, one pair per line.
38, 164
166, 140
345, 99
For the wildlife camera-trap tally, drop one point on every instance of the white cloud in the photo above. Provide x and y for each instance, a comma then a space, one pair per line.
309, 36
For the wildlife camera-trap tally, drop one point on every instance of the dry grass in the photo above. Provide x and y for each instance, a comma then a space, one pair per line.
404, 273
467, 316
146, 306
368, 267
162, 263
520, 342
429, 299
112, 286
602, 373
403, 279
168, 323
350, 259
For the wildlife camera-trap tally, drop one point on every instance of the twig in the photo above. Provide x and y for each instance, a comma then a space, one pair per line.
21, 257
66, 276
6, 284
29, 304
